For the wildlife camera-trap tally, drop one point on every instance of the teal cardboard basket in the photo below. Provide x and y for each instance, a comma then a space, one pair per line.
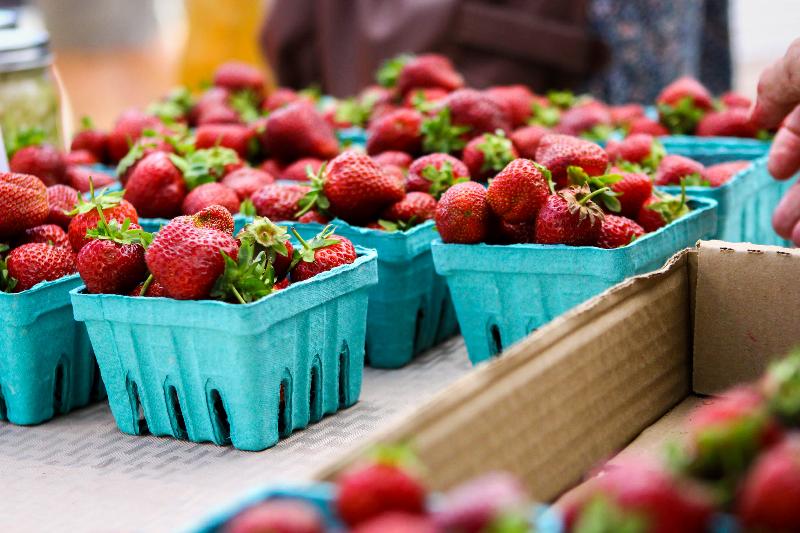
352, 137
410, 309
712, 150
46, 365
152, 225
503, 292
209, 371
745, 205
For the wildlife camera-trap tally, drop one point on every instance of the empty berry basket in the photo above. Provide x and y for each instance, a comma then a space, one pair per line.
226, 373
46, 364
503, 292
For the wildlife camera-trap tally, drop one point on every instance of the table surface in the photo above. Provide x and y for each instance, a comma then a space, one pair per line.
79, 473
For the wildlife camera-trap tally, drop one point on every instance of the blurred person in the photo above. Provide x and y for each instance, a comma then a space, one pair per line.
621, 50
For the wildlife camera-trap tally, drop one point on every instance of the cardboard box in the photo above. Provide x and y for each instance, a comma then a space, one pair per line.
622, 368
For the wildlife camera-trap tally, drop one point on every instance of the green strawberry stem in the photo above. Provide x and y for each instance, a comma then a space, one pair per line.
315, 197
309, 248
593, 194
245, 279
440, 135
389, 71
146, 285
497, 151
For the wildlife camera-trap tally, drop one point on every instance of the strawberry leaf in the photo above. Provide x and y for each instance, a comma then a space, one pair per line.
598, 133
497, 151
695, 180
315, 198
246, 279
389, 71
204, 166
600, 184
354, 111
119, 233
657, 153
25, 137
174, 107
86, 122
441, 178
246, 104
440, 135
600, 515
306, 251
106, 200
7, 283
265, 236
547, 116
562, 99
247, 208
783, 386
422, 104
682, 118
670, 207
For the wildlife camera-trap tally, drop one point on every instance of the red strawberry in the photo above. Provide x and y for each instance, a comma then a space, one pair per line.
392, 157
86, 217
733, 99
313, 217
299, 170
61, 199
721, 173
415, 208
80, 157
731, 122
273, 240
46, 233
247, 180
516, 101
428, 71
570, 217
488, 154
213, 107
661, 209
646, 125
113, 261
634, 189
237, 76
435, 173
140, 149
463, 214
557, 152
420, 98
634, 148
622, 115
503, 232
397, 523
639, 494
279, 202
91, 140
278, 516
213, 217
617, 231
78, 178
156, 187
518, 192
237, 137
474, 110
324, 252
33, 263
210, 194
153, 290
584, 118
281, 97
398, 130
23, 203
526, 140
271, 167
771, 491
375, 489
42, 161
186, 259
296, 131
127, 131
674, 168
477, 505
682, 104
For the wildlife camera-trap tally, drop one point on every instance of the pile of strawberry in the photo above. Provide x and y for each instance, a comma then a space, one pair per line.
383, 495
741, 456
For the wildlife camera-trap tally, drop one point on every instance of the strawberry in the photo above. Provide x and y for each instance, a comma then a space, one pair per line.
61, 199
488, 154
42, 161
675, 168
526, 140
209, 194
237, 137
721, 173
34, 263
278, 516
246, 180
47, 234
661, 209
296, 131
503, 232
237, 76
622, 115
781, 387
463, 214
279, 202
113, 261
414, 208
313, 216
281, 97
480, 504
213, 107
646, 125
638, 497
271, 239
421, 72
80, 157
324, 252
144, 146
156, 187
421, 99
633, 190
682, 104
79, 178
23, 203
126, 131
617, 231
474, 110
640, 148
515, 100
175, 107
591, 119
733, 99
557, 152
301, 169
92, 140
394, 522
85, 215
570, 217
392, 157
185, 256
518, 192
771, 491
271, 167
398, 130
154, 290
435, 173
731, 122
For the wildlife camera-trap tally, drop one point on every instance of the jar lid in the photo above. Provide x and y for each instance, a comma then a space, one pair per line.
23, 49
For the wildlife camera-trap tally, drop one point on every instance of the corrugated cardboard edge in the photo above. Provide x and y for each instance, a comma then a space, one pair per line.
566, 397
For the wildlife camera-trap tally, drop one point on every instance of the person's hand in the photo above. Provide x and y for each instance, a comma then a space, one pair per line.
778, 99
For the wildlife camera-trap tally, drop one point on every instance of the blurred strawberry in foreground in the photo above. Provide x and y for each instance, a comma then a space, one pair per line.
721, 173
482, 503
278, 516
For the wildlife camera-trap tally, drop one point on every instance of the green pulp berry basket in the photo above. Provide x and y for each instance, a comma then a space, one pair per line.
712, 150
46, 365
503, 292
210, 371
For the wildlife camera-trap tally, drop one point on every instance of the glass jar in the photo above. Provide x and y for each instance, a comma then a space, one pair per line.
28, 89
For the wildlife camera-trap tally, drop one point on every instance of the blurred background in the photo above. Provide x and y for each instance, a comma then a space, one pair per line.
113, 54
